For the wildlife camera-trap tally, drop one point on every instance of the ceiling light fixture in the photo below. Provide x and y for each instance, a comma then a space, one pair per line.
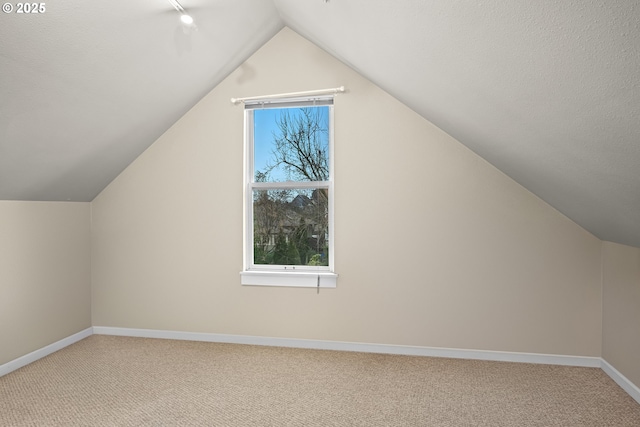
184, 16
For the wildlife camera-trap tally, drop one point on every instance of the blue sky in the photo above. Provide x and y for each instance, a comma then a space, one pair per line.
264, 122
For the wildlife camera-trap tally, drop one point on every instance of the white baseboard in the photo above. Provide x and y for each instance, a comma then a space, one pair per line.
621, 380
44, 351
501, 356
497, 356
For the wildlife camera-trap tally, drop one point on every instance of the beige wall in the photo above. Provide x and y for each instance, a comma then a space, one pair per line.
44, 274
621, 302
434, 246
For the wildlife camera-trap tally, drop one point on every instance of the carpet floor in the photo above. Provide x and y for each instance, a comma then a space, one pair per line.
122, 381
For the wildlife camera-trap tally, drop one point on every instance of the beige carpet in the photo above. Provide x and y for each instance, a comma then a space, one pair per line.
119, 381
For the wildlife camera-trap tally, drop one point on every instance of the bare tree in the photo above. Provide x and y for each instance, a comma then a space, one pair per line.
301, 146
301, 151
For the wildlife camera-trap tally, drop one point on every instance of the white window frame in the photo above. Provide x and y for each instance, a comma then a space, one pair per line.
284, 275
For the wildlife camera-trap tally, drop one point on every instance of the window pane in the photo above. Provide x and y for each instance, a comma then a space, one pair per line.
291, 227
291, 144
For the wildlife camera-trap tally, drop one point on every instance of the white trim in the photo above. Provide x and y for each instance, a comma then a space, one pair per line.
498, 356
495, 356
332, 180
621, 380
247, 203
278, 275
297, 279
293, 185
44, 351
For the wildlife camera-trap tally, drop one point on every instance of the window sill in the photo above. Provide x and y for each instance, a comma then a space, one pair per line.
298, 279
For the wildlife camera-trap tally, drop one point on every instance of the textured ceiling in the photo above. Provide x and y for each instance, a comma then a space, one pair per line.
547, 91
87, 86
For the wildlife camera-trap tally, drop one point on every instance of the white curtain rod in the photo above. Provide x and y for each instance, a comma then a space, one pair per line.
334, 90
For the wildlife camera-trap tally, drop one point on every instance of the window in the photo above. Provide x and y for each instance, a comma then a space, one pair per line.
289, 193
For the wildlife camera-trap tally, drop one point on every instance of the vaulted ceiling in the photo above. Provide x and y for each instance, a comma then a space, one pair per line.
547, 91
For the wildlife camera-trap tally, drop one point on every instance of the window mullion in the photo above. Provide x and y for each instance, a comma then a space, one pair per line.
289, 185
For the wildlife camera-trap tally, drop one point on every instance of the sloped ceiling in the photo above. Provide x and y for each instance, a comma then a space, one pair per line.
547, 91
88, 85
